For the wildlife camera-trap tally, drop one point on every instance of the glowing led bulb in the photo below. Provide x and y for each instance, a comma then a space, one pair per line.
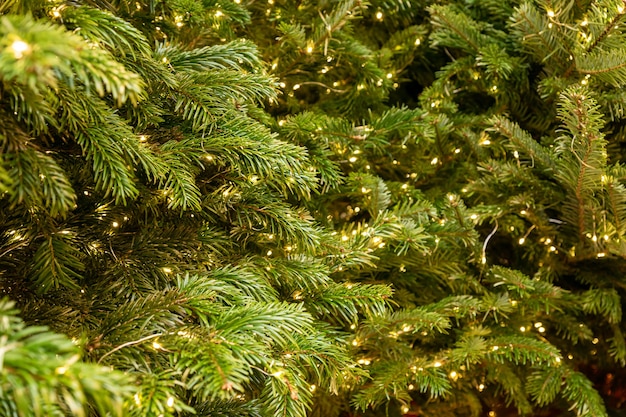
19, 47
379, 15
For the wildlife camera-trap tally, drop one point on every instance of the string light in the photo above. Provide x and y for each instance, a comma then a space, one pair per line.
170, 402
379, 15
19, 48
219, 13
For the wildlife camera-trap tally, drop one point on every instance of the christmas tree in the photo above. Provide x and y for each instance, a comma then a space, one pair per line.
327, 208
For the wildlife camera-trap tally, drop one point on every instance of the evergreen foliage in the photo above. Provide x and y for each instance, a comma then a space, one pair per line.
327, 208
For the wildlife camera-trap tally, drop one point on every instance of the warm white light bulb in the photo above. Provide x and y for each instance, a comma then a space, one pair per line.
19, 47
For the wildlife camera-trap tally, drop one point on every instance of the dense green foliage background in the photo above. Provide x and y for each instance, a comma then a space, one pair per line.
292, 208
